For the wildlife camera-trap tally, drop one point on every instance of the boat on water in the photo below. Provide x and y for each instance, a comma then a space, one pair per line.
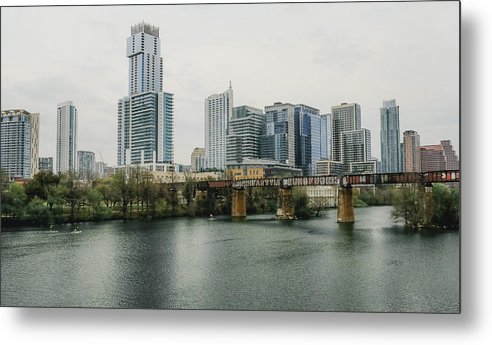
51, 230
76, 231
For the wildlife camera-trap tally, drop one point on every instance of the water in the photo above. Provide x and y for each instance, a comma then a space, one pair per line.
258, 264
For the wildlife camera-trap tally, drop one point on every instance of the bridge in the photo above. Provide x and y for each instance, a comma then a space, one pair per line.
285, 208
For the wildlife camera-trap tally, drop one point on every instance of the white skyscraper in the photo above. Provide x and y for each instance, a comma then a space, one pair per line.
143, 49
218, 113
66, 137
19, 133
146, 115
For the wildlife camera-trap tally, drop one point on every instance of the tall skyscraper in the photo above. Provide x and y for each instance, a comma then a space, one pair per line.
345, 117
19, 133
390, 137
86, 162
243, 138
278, 139
350, 144
66, 137
411, 143
146, 115
328, 134
310, 138
218, 113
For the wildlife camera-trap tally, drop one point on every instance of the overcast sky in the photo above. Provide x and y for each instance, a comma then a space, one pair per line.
316, 54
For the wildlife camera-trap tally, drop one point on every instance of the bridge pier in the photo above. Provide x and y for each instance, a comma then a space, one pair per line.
238, 207
285, 204
345, 212
426, 191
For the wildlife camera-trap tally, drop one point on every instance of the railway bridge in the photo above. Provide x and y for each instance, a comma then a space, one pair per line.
345, 214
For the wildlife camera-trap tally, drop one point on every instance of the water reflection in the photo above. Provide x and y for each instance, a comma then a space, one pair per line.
257, 263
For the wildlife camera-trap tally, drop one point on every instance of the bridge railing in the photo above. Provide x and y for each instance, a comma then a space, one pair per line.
390, 178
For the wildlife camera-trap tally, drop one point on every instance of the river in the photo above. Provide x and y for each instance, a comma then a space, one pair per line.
257, 264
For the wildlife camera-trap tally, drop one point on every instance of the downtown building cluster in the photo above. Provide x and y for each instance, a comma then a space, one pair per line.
240, 141
20, 145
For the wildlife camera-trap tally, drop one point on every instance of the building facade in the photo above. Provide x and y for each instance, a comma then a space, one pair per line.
66, 137
345, 117
450, 156
411, 143
218, 113
86, 162
198, 159
100, 169
438, 157
259, 168
432, 158
146, 115
46, 164
19, 132
356, 146
245, 129
310, 138
390, 137
278, 138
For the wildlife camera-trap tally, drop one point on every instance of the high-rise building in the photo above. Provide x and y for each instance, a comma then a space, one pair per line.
278, 138
198, 159
243, 138
390, 137
411, 144
66, 137
310, 138
432, 158
328, 134
86, 162
350, 144
46, 164
100, 169
146, 115
452, 162
356, 146
19, 132
438, 157
218, 113
345, 117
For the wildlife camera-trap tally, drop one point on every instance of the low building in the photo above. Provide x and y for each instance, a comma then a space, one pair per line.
322, 196
259, 168
367, 167
198, 159
329, 168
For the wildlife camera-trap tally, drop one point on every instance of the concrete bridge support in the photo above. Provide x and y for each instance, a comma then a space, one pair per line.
426, 192
346, 212
285, 204
238, 209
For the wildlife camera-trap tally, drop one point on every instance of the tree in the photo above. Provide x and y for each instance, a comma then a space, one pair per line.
73, 192
14, 201
409, 207
39, 184
37, 212
301, 201
446, 206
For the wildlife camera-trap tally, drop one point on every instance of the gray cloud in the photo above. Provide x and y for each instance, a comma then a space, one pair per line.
317, 54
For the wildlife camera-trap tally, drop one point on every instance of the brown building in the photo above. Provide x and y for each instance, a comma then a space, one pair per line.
438, 157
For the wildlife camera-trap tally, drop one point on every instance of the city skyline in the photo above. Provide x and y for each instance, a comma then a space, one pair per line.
421, 72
